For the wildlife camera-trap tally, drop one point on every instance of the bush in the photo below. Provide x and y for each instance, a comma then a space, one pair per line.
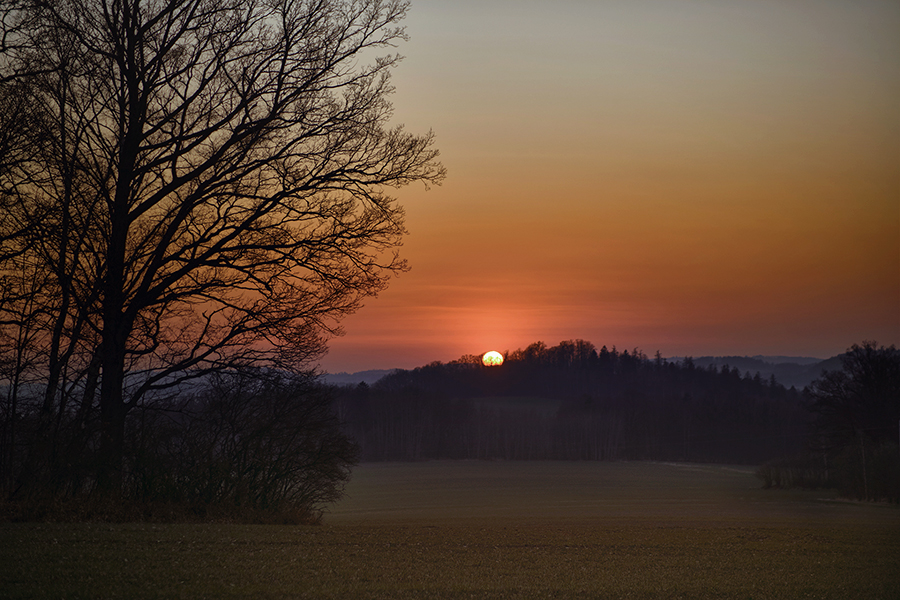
803, 471
249, 447
869, 472
862, 472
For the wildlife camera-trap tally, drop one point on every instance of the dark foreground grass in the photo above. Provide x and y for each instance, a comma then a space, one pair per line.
711, 536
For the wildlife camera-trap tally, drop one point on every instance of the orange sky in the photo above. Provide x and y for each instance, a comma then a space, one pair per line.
694, 177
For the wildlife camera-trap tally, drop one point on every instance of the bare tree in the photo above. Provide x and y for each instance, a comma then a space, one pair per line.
199, 185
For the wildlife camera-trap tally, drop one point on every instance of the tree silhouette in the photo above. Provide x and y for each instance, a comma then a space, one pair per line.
862, 399
190, 186
858, 414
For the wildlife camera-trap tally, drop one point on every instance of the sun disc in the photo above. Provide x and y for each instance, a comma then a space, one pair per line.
492, 359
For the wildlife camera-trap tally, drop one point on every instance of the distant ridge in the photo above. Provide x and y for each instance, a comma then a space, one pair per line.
796, 371
774, 360
368, 377
797, 360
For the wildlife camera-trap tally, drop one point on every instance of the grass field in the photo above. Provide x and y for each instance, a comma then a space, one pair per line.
491, 530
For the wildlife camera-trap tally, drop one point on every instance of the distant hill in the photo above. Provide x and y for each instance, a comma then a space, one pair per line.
797, 360
796, 371
368, 377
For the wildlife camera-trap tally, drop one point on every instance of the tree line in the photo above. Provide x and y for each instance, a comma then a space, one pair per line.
575, 402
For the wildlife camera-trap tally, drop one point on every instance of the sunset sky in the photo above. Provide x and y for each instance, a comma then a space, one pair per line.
694, 177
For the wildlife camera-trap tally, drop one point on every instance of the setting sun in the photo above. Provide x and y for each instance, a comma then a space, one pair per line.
492, 359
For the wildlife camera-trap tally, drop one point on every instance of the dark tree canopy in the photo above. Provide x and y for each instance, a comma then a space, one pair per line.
857, 420
862, 399
853, 442
190, 186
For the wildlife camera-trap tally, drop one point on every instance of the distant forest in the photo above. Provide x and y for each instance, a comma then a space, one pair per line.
575, 402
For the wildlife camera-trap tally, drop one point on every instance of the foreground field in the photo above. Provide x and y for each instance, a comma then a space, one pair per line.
491, 530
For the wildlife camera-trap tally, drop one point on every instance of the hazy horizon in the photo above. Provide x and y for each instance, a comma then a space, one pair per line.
779, 359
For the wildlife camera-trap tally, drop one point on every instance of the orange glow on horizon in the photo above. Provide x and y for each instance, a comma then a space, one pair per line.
704, 187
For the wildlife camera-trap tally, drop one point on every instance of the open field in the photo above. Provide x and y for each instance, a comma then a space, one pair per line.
491, 530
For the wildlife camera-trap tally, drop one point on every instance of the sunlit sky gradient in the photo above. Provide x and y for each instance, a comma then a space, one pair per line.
695, 177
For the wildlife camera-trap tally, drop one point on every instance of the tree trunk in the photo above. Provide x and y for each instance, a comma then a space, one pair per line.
116, 323
112, 420
112, 360
862, 451
113, 349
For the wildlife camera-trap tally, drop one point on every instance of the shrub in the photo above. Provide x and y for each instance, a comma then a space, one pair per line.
243, 446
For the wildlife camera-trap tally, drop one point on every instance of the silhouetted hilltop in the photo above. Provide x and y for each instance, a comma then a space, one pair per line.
573, 401
789, 371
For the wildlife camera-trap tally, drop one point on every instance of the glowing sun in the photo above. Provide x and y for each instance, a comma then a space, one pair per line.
492, 359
